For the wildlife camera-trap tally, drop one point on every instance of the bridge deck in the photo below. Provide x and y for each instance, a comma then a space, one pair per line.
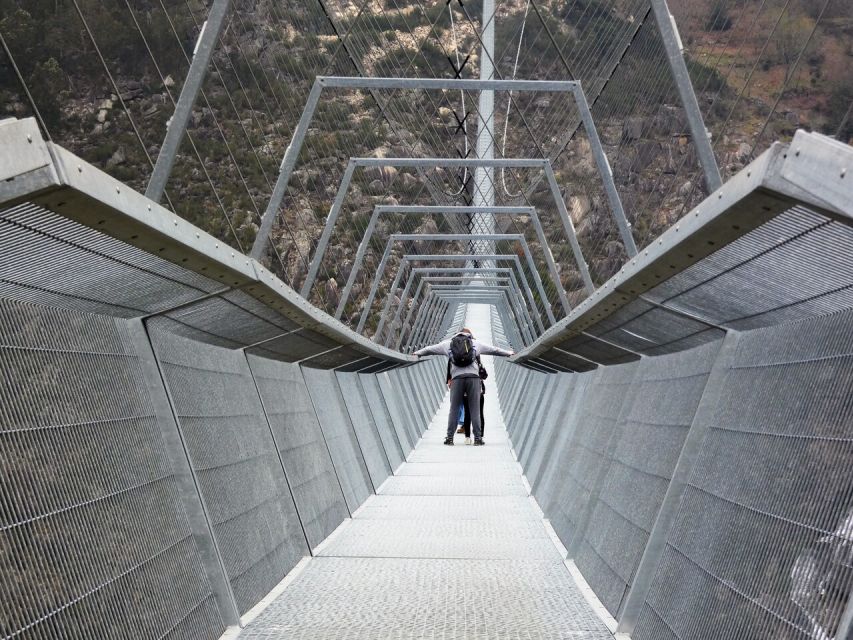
452, 546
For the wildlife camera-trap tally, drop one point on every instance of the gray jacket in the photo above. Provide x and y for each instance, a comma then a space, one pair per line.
480, 348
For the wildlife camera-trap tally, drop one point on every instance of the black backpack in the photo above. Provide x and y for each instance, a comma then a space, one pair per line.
462, 350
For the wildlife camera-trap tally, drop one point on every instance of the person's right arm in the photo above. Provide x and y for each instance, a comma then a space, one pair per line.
439, 349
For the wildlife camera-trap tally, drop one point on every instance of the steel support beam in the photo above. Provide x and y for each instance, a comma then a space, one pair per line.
285, 170
497, 299
427, 274
430, 273
295, 146
569, 226
514, 259
532, 163
484, 177
433, 274
379, 210
346, 180
606, 175
675, 57
465, 292
177, 126
452, 237
425, 318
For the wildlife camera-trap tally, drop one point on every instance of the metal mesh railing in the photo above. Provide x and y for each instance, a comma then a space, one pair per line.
94, 539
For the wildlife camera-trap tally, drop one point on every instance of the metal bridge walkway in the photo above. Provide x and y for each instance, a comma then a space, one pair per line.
452, 546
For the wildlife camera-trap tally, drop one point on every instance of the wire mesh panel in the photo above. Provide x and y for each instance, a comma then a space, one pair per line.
535, 424
94, 540
587, 451
313, 481
339, 434
239, 472
395, 409
382, 418
402, 393
648, 441
760, 547
365, 427
546, 434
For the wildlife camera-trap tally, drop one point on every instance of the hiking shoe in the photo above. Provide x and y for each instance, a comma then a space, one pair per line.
460, 430
467, 440
478, 442
448, 441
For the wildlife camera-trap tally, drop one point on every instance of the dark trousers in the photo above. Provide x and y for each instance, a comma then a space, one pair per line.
458, 390
466, 425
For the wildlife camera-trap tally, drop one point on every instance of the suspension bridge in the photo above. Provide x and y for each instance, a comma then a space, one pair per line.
227, 226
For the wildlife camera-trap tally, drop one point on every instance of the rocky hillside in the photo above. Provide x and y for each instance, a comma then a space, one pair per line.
104, 81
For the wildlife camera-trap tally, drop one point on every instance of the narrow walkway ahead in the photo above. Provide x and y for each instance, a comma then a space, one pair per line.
451, 547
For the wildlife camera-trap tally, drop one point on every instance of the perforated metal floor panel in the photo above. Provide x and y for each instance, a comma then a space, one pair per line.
452, 547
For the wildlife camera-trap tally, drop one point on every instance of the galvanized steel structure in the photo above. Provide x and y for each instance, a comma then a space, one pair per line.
181, 427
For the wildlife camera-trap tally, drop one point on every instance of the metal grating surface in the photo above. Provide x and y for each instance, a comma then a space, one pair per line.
237, 466
795, 266
761, 543
303, 450
399, 417
808, 256
439, 537
646, 447
62, 263
439, 566
374, 599
94, 541
233, 320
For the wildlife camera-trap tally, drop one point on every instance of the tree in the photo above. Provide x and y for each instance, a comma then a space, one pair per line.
788, 41
718, 18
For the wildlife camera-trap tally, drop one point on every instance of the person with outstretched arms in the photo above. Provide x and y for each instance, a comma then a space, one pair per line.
464, 353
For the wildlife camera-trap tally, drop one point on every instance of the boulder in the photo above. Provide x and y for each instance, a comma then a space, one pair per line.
332, 293
579, 207
118, 157
410, 181
632, 129
670, 120
647, 152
